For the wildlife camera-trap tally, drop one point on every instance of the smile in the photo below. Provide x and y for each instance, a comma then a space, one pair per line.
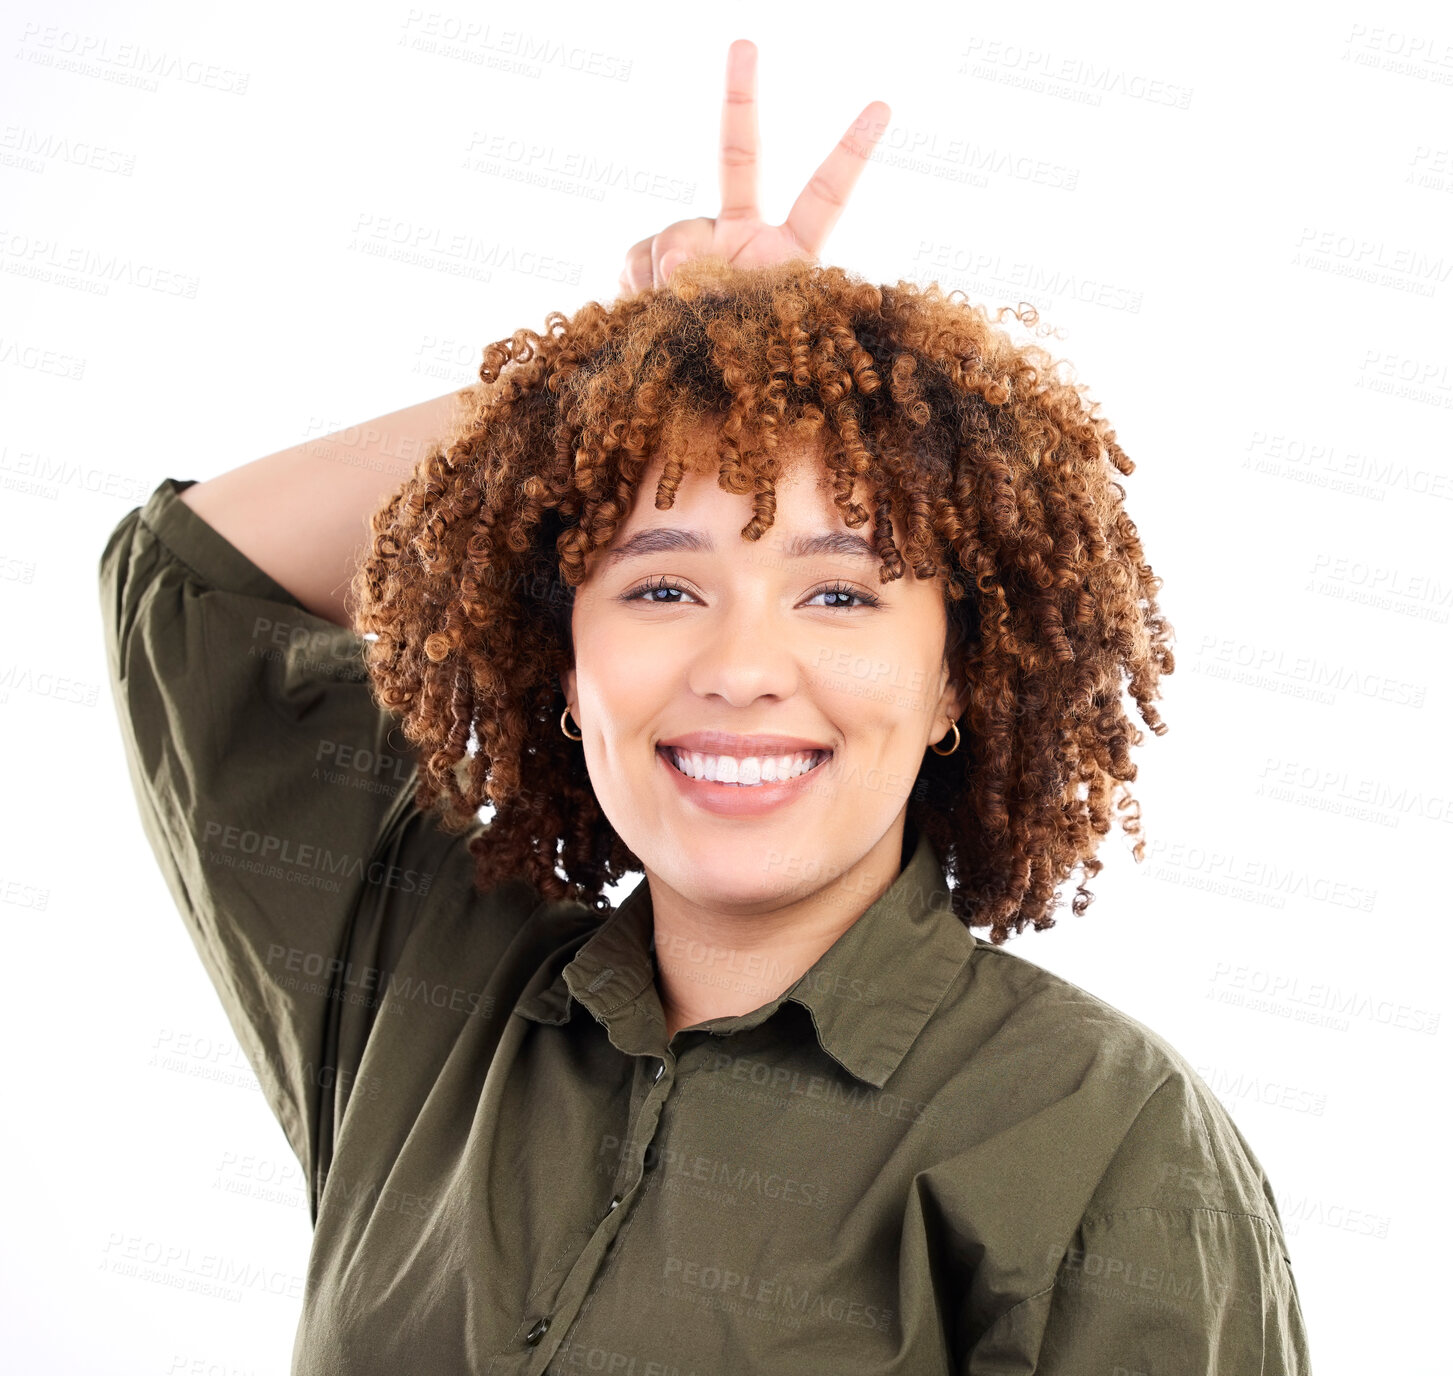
751, 771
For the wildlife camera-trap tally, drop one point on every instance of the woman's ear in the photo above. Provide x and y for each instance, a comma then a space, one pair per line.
567, 686
952, 702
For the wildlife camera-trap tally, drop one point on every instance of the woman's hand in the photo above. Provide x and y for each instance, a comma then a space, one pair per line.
738, 233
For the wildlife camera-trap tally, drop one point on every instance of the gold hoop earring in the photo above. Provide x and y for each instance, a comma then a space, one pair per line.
953, 747
566, 729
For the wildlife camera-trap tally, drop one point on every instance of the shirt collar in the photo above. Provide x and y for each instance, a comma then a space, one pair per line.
869, 994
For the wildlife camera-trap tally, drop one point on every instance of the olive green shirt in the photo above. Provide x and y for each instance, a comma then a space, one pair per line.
927, 1155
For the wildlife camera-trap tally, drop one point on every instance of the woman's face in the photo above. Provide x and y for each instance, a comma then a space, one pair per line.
754, 640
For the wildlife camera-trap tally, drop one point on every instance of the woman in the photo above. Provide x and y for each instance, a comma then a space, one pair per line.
801, 596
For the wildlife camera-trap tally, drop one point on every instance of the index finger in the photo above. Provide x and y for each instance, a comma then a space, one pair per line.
821, 202
739, 139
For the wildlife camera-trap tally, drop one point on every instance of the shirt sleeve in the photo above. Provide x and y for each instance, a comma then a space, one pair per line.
1178, 1266
276, 794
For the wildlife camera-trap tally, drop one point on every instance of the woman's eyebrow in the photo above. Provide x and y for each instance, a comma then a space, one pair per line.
670, 539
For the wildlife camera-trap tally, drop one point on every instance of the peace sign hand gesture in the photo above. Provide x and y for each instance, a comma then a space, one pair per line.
738, 233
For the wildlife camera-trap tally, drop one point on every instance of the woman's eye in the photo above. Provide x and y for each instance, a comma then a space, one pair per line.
837, 591
644, 595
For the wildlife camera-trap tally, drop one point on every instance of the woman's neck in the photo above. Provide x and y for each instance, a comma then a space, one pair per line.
711, 964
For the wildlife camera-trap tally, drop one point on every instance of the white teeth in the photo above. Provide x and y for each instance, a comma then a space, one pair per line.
746, 772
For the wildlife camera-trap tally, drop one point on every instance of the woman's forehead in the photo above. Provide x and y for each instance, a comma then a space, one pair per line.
805, 518
696, 444
802, 487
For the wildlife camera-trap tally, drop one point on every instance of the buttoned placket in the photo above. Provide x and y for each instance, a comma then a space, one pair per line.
654, 1078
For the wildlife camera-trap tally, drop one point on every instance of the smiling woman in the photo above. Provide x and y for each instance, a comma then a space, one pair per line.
812, 601
836, 583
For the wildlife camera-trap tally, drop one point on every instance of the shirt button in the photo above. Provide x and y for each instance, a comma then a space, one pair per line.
660, 1071
538, 1331
614, 1200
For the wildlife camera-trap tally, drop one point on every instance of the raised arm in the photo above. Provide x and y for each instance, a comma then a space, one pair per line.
301, 514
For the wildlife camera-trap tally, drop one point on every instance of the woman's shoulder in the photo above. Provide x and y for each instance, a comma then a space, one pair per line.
1136, 1103
1067, 1021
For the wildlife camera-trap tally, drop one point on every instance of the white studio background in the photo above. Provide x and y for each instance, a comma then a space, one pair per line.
226, 230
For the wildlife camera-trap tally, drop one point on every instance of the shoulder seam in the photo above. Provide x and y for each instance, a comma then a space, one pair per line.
1277, 1238
1179, 1209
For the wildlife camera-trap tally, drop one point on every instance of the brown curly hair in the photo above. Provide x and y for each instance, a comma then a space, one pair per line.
995, 467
